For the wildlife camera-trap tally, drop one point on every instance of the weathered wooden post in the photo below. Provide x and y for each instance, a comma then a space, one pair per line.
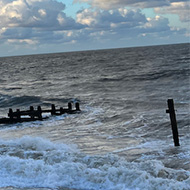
53, 111
77, 106
61, 110
31, 112
10, 114
70, 106
39, 112
18, 114
171, 111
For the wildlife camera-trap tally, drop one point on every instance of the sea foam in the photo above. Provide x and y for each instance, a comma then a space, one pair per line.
32, 162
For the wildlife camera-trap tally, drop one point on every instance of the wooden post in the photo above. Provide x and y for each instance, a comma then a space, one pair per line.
39, 112
70, 106
53, 111
77, 106
18, 114
31, 110
61, 110
171, 111
10, 114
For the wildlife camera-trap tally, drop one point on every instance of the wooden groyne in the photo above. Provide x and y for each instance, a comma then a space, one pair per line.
19, 116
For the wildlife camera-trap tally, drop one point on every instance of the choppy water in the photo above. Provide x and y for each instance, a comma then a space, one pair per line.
122, 140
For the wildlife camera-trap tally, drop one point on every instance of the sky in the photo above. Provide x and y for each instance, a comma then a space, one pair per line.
49, 26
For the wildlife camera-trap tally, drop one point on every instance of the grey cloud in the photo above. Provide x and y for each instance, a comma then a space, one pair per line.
177, 7
19, 34
44, 22
114, 4
156, 25
107, 20
179, 1
182, 9
100, 25
131, 25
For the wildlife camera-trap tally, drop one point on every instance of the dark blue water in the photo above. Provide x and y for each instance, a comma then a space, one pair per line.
121, 140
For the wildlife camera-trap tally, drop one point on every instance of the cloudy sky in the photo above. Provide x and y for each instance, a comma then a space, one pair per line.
47, 26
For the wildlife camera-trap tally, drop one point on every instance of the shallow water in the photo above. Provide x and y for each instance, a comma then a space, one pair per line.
121, 140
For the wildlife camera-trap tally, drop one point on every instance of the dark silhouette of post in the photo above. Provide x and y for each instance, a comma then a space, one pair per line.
70, 106
171, 111
53, 111
77, 106
10, 114
61, 110
39, 112
32, 112
18, 114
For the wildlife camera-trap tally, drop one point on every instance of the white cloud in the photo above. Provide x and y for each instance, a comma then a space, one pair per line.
25, 41
35, 13
122, 25
179, 8
33, 21
157, 24
98, 26
43, 23
42, 12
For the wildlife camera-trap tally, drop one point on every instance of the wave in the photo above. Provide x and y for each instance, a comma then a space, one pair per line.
7, 101
12, 101
33, 162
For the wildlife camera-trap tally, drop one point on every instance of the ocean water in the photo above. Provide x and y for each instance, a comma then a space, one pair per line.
122, 139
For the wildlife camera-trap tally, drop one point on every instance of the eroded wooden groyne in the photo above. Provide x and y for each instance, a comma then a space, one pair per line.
32, 114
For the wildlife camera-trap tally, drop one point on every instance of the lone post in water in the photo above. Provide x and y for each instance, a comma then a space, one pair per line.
171, 111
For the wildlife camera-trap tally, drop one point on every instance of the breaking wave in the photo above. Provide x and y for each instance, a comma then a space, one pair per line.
40, 163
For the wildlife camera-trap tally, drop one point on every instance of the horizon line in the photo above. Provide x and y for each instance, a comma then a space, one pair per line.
88, 50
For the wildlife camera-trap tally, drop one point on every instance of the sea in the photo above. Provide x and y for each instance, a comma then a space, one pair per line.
121, 139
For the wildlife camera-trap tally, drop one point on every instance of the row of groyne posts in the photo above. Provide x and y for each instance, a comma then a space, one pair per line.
33, 115
14, 117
